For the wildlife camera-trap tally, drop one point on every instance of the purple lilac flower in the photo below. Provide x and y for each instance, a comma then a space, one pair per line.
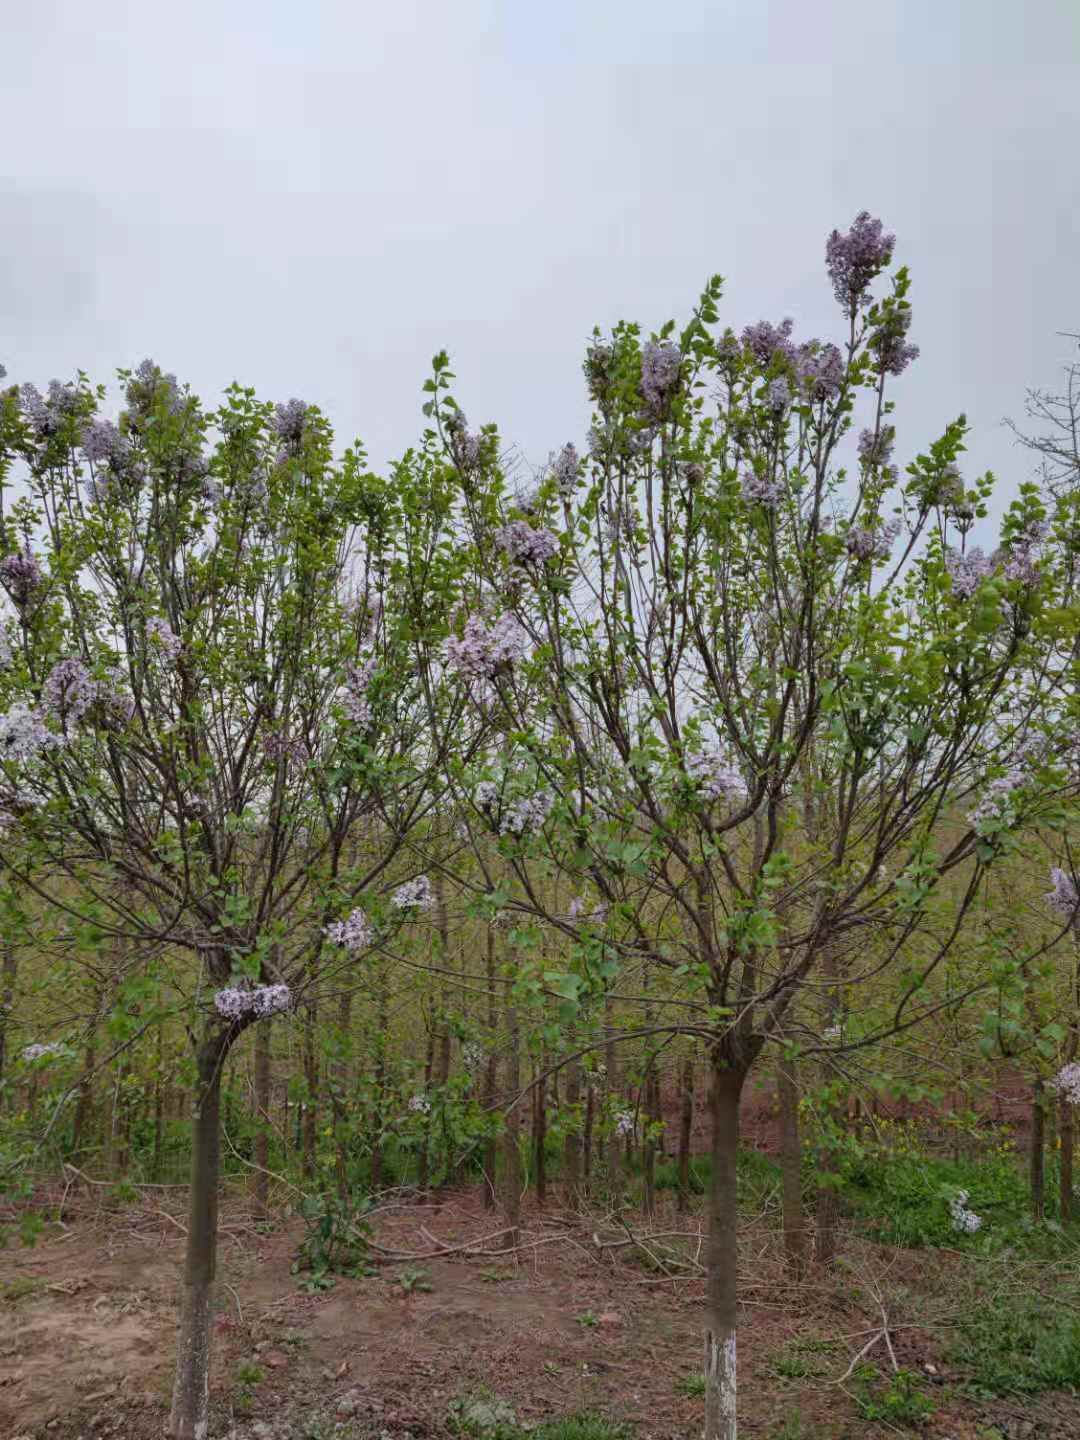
996, 809
102, 443
622, 521
778, 394
624, 1123
661, 362
872, 542
598, 361
854, 259
968, 570
47, 414
21, 576
1066, 1082
354, 695
354, 933
419, 1104
147, 385
464, 443
288, 421
69, 690
238, 1002
24, 734
1064, 897
762, 490
526, 546
565, 468
161, 638
715, 777
483, 650
6, 655
1022, 560
820, 371
876, 447
114, 706
890, 342
42, 1052
414, 895
766, 341
292, 749
965, 1221
527, 815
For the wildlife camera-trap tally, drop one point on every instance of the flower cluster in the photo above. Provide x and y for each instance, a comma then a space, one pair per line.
482, 650
526, 815
464, 444
762, 490
661, 362
765, 341
41, 1052
819, 370
288, 421
526, 546
473, 1056
354, 933
716, 778
1064, 897
833, 1034
148, 385
565, 468
867, 543
1067, 1083
354, 693
890, 341
967, 571
414, 895
1021, 562
69, 691
47, 414
854, 259
21, 576
103, 444
239, 1002
24, 734
996, 809
420, 1104
965, 1221
876, 446
624, 1123
160, 637
292, 749
778, 394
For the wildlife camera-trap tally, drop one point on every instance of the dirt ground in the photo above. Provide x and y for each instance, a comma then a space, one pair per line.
575, 1320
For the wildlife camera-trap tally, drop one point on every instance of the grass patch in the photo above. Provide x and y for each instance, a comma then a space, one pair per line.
691, 1385
489, 1418
1018, 1347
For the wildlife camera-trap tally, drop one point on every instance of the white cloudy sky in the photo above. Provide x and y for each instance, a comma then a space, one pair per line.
313, 197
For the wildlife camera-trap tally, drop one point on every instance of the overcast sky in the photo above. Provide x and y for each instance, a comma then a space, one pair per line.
313, 197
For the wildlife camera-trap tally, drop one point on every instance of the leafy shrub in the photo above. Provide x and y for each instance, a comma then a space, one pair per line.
902, 1401
1018, 1348
336, 1239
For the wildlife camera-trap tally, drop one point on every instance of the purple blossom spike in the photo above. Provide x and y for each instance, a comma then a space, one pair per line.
778, 394
160, 638
820, 371
241, 1002
21, 576
890, 342
47, 414
872, 542
354, 933
69, 691
102, 443
876, 447
1064, 897
288, 421
415, 894
762, 490
967, 571
1066, 1082
854, 259
483, 651
767, 342
354, 694
24, 734
526, 546
566, 467
715, 778
661, 363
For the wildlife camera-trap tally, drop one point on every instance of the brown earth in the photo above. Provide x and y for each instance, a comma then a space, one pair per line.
575, 1320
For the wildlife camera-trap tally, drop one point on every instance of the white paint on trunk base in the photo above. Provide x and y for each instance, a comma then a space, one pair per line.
721, 1372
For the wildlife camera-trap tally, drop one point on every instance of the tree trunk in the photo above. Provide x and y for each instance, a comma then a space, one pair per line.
261, 1179
191, 1391
1065, 1130
423, 1176
686, 1125
540, 1134
511, 1167
1038, 1152
651, 1107
491, 1073
587, 1135
7, 999
311, 1087
614, 1160
572, 1143
787, 1086
721, 1255
159, 1104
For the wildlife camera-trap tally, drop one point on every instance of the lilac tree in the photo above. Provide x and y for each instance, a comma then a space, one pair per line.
208, 682
759, 700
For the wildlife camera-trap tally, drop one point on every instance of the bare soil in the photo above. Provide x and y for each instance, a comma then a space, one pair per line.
573, 1320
